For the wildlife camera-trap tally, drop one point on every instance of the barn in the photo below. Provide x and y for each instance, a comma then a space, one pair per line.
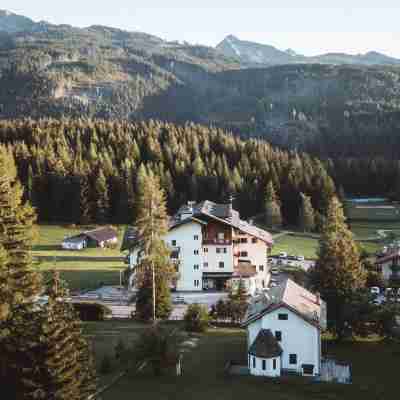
100, 237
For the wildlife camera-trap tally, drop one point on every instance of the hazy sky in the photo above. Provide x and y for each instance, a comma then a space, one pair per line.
351, 26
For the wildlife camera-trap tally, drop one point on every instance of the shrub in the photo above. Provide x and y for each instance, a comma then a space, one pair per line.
196, 318
92, 311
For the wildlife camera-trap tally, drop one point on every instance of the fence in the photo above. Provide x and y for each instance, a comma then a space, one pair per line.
333, 371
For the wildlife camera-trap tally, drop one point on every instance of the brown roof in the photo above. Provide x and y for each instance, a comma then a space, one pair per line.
265, 345
244, 270
388, 257
293, 297
101, 234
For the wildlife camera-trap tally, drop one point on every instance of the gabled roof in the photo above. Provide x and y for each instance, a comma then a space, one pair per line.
99, 235
293, 297
131, 239
224, 213
265, 345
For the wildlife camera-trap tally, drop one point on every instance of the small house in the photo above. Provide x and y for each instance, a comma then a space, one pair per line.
100, 237
284, 331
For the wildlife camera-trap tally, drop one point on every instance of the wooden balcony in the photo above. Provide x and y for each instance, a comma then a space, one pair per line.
217, 242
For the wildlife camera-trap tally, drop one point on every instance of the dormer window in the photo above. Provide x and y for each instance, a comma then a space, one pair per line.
283, 317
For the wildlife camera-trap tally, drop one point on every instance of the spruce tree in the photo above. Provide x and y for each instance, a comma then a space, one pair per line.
273, 217
154, 271
338, 273
102, 198
84, 200
306, 215
67, 367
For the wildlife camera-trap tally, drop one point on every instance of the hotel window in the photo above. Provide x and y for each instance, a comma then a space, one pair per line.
196, 252
292, 359
196, 237
283, 317
225, 250
221, 264
173, 243
205, 265
196, 283
264, 365
218, 250
196, 266
243, 240
274, 363
253, 240
254, 362
261, 267
243, 254
205, 249
221, 235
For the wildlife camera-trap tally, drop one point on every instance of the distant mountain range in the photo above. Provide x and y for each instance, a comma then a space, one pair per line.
333, 104
255, 54
249, 54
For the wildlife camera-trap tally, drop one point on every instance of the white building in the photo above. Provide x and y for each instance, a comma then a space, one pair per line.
388, 264
284, 331
212, 248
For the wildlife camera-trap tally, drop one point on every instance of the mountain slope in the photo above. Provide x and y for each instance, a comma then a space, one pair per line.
12, 23
253, 54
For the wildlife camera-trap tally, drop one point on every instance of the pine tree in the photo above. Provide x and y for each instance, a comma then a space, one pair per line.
154, 270
338, 272
67, 368
19, 285
102, 198
273, 217
84, 200
306, 217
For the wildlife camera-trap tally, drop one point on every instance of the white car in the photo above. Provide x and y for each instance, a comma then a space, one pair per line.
282, 255
375, 290
274, 271
291, 263
274, 284
300, 258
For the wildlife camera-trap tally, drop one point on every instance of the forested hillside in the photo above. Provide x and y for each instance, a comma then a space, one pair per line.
100, 72
86, 170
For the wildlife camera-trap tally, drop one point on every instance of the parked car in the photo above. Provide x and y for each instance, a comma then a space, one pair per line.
274, 284
179, 300
282, 255
274, 271
375, 290
291, 263
300, 258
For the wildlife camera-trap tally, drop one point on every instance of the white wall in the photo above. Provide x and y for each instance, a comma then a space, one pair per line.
269, 366
184, 236
298, 337
213, 258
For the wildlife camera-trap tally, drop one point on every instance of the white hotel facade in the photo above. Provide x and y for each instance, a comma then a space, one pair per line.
212, 249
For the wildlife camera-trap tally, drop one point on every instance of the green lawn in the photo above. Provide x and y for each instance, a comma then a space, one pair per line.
86, 274
374, 368
296, 245
369, 228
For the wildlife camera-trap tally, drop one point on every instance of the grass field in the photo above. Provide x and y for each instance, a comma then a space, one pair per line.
374, 368
298, 245
87, 274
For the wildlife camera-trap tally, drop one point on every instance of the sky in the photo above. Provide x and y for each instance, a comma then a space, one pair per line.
351, 26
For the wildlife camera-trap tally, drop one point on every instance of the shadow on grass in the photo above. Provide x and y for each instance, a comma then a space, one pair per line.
46, 247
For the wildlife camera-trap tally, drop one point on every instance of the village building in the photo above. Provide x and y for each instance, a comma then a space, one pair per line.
100, 237
388, 264
212, 248
284, 331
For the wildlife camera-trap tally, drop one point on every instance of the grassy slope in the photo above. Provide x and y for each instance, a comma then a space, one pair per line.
373, 364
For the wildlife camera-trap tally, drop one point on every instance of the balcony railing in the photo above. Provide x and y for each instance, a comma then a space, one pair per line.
224, 242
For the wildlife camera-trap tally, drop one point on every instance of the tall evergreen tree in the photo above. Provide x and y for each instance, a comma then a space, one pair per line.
338, 273
102, 198
306, 215
152, 226
84, 200
273, 217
